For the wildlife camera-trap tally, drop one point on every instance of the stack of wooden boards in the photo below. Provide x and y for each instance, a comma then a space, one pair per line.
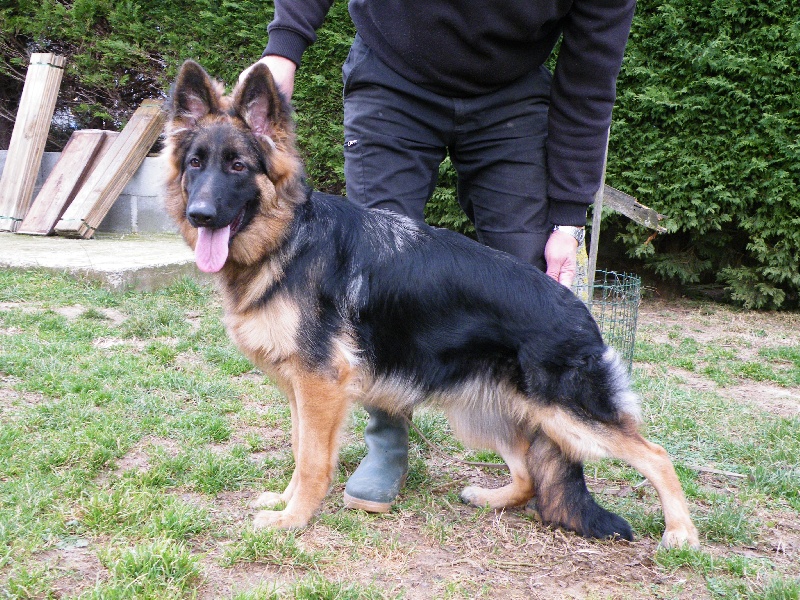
93, 169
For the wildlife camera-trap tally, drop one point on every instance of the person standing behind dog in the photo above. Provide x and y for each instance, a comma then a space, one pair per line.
425, 78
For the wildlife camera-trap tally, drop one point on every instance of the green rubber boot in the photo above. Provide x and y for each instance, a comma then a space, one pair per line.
378, 479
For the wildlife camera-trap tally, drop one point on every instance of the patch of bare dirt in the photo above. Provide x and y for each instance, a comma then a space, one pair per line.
75, 568
784, 402
769, 397
222, 582
137, 459
744, 333
11, 398
73, 312
25, 307
717, 323
104, 343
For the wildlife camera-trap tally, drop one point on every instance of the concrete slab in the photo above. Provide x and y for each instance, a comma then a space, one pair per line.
119, 263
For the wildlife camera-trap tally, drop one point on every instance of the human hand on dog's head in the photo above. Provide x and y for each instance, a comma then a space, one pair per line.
282, 70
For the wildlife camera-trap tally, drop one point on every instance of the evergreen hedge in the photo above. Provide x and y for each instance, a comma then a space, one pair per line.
122, 51
707, 131
706, 128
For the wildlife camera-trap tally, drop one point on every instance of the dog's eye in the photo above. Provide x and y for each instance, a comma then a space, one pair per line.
238, 166
194, 162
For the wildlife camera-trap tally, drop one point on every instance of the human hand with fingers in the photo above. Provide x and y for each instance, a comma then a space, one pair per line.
282, 70
561, 253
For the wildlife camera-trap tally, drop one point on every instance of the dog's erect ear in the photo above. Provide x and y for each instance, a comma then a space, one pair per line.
194, 95
257, 100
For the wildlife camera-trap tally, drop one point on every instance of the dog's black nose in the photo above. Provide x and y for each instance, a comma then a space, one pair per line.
201, 214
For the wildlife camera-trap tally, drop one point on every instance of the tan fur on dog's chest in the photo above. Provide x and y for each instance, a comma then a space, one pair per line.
267, 334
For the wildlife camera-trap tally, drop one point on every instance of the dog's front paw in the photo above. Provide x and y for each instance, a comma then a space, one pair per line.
678, 536
267, 500
278, 519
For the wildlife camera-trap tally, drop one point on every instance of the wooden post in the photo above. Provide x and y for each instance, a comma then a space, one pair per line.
26, 148
619, 202
597, 214
113, 172
78, 159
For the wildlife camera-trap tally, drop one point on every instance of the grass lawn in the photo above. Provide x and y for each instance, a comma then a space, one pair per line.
133, 436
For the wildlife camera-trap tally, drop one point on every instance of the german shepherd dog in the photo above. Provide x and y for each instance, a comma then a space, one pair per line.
340, 304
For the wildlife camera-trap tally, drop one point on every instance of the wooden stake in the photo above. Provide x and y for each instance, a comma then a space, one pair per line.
79, 158
597, 213
113, 171
26, 148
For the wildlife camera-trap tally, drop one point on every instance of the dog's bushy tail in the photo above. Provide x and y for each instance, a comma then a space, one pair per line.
562, 498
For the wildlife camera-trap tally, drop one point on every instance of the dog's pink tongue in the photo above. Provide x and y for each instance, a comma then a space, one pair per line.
211, 250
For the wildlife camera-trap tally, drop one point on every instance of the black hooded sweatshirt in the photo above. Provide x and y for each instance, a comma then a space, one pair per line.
462, 48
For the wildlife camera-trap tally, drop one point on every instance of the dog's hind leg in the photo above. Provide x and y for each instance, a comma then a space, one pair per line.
562, 498
495, 428
518, 492
652, 461
575, 438
321, 406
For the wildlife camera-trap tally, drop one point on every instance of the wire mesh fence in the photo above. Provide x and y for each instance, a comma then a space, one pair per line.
613, 300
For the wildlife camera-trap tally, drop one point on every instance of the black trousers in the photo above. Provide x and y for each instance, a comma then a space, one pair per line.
397, 134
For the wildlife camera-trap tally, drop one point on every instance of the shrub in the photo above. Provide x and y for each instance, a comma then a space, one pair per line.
707, 131
121, 52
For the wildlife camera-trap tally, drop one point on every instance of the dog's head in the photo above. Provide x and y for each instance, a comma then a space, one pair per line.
235, 176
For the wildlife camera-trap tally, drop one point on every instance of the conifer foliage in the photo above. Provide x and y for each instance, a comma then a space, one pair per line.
707, 131
706, 128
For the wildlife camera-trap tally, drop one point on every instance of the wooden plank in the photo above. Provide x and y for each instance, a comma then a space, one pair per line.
596, 214
114, 170
26, 148
80, 156
631, 208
